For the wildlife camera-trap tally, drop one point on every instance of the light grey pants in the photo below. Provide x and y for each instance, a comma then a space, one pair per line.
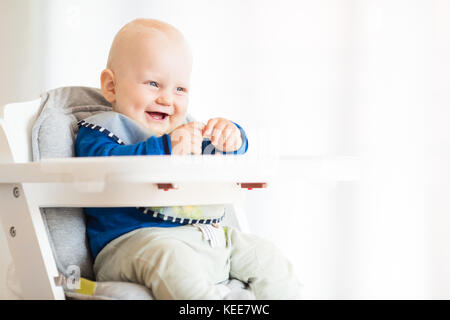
180, 263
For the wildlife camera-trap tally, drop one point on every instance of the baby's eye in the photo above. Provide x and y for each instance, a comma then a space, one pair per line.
153, 83
180, 89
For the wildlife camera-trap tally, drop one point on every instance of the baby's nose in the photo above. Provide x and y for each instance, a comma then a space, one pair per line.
164, 99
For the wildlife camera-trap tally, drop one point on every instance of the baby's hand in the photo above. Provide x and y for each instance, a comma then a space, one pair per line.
187, 138
224, 134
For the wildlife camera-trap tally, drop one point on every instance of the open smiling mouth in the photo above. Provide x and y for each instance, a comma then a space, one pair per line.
158, 116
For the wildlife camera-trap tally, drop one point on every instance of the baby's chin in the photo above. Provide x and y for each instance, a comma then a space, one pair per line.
160, 129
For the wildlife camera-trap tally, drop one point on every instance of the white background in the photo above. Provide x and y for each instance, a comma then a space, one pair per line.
325, 78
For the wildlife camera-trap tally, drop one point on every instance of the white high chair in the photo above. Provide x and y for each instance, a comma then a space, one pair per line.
26, 187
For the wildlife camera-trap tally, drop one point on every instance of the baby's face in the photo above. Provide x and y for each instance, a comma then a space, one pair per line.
152, 84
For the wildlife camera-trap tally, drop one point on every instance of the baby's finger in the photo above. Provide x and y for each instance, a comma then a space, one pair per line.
207, 130
237, 141
227, 132
197, 127
196, 148
179, 135
178, 145
217, 132
228, 144
197, 139
234, 142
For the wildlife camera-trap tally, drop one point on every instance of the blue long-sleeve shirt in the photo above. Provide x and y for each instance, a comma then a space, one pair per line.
106, 224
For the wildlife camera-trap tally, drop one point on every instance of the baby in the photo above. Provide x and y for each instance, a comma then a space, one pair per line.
147, 81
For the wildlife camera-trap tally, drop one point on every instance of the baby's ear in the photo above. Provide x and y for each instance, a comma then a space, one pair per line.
108, 82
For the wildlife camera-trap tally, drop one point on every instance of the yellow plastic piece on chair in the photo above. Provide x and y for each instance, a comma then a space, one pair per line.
87, 287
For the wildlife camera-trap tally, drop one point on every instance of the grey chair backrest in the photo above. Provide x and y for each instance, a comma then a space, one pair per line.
53, 136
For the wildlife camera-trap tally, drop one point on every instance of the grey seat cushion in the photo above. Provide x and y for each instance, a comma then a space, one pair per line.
53, 136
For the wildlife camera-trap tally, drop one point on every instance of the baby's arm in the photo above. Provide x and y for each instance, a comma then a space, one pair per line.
93, 143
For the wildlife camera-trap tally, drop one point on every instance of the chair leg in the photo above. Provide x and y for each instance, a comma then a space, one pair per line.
28, 243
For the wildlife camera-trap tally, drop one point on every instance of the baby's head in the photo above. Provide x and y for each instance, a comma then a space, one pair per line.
147, 77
